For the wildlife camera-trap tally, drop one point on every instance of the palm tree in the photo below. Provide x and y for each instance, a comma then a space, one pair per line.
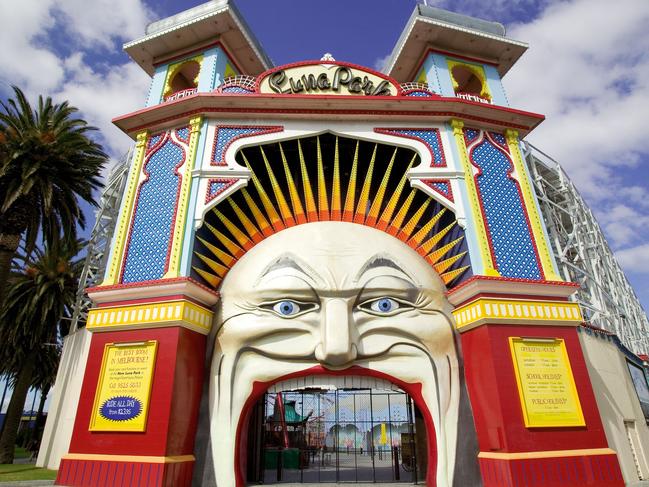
30, 320
47, 162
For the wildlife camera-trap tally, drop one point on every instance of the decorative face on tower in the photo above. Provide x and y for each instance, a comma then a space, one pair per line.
333, 296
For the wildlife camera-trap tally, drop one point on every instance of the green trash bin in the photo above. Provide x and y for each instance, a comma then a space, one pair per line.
291, 458
270, 458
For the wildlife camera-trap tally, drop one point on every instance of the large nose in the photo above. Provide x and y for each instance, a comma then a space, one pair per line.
337, 342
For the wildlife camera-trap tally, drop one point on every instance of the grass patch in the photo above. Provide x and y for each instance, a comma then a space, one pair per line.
16, 472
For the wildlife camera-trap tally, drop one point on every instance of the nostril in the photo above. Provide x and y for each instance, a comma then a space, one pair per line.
336, 359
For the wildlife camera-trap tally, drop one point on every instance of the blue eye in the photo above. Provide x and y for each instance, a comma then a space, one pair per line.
286, 308
384, 305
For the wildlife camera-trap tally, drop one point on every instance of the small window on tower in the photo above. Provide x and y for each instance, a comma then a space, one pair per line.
182, 79
469, 81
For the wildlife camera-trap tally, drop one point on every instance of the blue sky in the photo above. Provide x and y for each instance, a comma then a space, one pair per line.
587, 70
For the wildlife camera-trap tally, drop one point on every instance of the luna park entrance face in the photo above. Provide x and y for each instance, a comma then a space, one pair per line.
317, 435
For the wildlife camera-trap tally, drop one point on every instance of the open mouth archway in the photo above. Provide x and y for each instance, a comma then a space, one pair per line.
352, 285
326, 429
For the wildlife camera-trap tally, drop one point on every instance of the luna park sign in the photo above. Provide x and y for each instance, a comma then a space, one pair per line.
326, 79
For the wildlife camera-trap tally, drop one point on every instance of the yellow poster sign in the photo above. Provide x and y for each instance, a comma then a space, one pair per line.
122, 397
545, 383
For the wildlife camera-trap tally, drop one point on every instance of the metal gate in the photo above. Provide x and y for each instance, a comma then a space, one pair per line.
343, 435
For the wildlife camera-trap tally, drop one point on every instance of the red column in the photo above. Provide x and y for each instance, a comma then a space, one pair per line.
512, 454
161, 455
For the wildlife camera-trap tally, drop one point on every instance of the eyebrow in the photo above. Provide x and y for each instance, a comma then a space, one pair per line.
380, 261
286, 261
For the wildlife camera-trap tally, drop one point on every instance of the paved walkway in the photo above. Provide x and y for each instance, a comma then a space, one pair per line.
27, 483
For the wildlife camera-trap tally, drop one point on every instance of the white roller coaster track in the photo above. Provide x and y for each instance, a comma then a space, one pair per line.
606, 297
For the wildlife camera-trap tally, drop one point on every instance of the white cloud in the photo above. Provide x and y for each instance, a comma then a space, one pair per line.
381, 62
635, 259
104, 96
104, 21
503, 10
588, 72
24, 59
624, 225
89, 30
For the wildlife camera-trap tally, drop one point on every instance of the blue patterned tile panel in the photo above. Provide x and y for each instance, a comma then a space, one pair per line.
183, 134
152, 225
236, 90
225, 135
417, 93
470, 135
430, 137
216, 186
503, 207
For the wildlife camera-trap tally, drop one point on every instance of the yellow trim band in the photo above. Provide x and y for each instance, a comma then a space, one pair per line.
530, 203
472, 191
129, 458
183, 313
126, 213
546, 454
491, 310
178, 234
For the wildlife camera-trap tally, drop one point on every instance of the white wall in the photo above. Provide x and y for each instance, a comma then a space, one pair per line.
618, 402
66, 392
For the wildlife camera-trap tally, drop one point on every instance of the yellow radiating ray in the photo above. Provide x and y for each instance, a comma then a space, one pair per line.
224, 257
275, 220
298, 211
209, 278
433, 257
323, 204
250, 227
232, 247
428, 245
361, 207
284, 209
409, 227
219, 269
443, 266
395, 225
257, 214
378, 198
335, 190
424, 230
236, 232
386, 216
348, 210
311, 210
447, 277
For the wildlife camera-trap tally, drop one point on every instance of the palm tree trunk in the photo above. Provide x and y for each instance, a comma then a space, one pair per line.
8, 246
15, 410
40, 416
2, 401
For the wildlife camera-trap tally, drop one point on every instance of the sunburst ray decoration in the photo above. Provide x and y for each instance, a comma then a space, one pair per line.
341, 180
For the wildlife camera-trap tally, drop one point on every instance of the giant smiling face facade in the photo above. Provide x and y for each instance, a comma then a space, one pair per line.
339, 297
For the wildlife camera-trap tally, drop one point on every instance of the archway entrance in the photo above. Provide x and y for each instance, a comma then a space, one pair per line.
345, 429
